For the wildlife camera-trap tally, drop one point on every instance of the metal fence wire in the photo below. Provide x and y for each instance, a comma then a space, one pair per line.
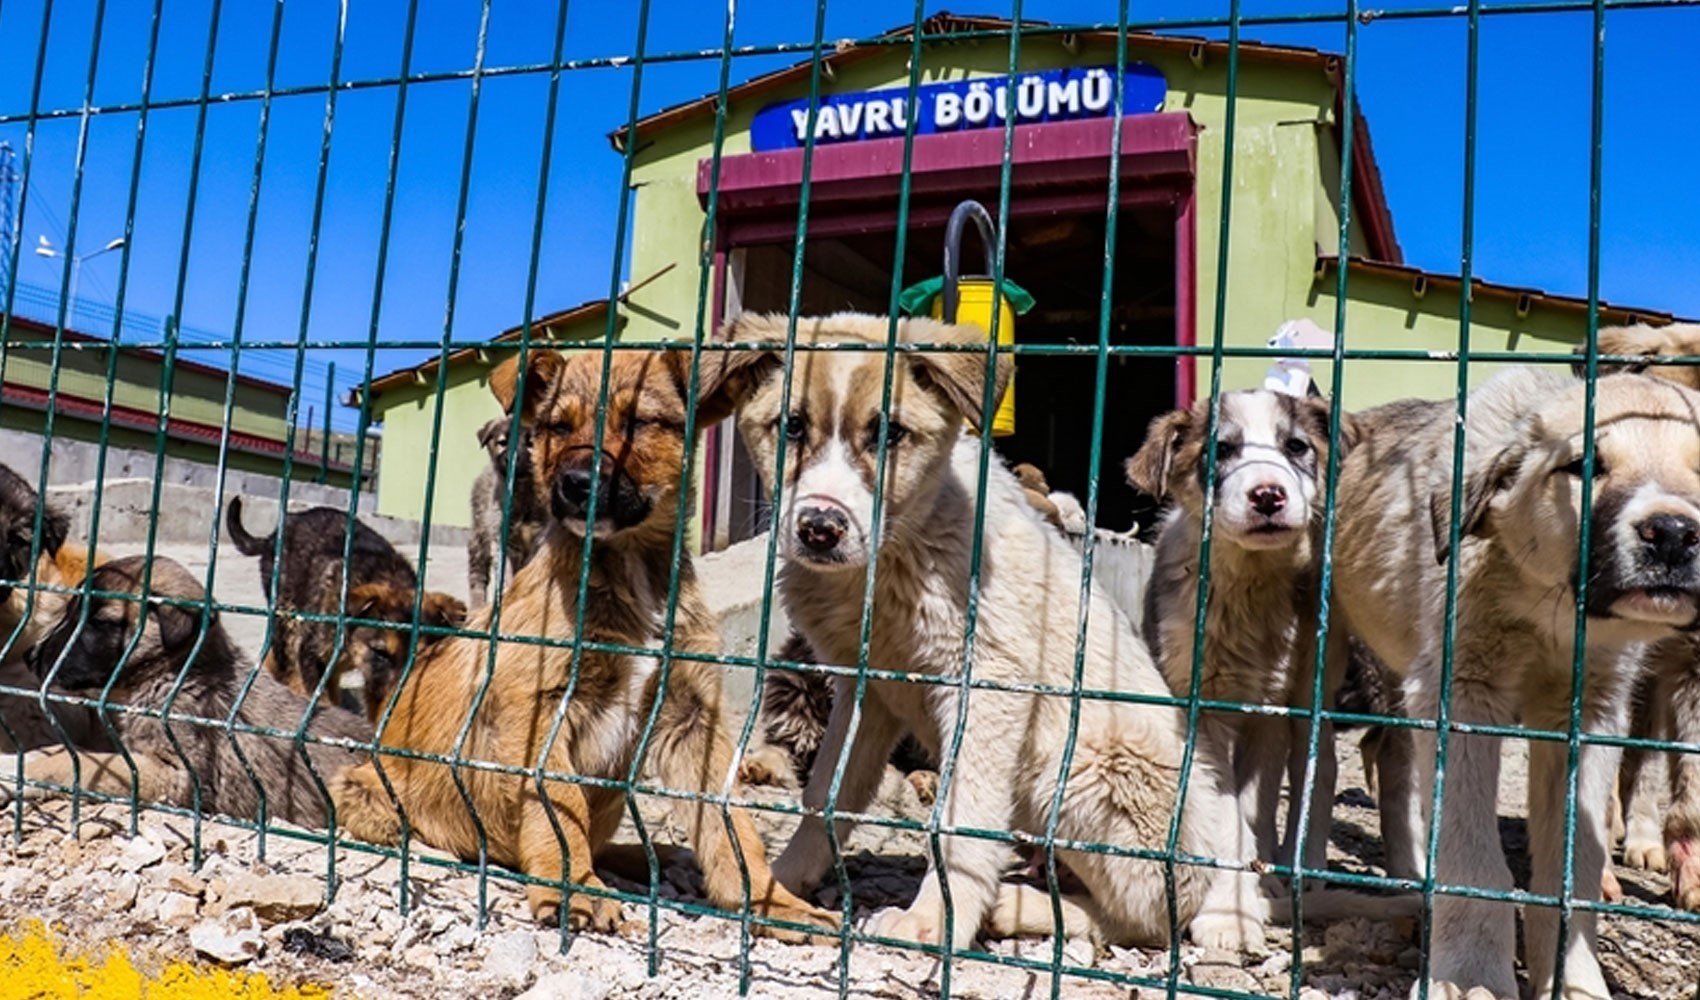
22, 342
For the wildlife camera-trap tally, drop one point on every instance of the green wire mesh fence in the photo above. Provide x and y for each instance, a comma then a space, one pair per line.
794, 228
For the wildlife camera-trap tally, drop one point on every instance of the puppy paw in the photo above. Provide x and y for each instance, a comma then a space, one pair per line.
1611, 890
926, 785
766, 766
1646, 854
1227, 931
907, 925
789, 908
1684, 857
585, 912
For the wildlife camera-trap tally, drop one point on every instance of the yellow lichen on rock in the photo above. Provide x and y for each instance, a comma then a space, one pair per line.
35, 966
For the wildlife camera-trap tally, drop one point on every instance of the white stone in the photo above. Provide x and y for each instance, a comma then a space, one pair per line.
567, 986
234, 938
176, 908
140, 852
275, 898
509, 958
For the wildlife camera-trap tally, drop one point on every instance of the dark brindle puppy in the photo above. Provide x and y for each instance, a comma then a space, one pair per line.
27, 610
381, 585
552, 829
527, 514
173, 645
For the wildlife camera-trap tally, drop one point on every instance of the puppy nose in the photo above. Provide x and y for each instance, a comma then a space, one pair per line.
1267, 499
573, 488
821, 528
1671, 538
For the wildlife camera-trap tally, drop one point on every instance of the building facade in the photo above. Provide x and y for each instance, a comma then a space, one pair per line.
1283, 231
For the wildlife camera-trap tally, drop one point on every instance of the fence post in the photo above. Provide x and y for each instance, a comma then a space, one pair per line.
325, 442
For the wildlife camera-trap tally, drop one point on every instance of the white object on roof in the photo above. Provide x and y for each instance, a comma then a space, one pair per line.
1292, 375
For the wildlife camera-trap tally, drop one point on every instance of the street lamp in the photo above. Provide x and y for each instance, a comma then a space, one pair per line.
45, 248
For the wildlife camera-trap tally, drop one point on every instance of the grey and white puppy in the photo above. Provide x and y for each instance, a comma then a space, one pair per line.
1260, 624
1517, 571
526, 515
175, 649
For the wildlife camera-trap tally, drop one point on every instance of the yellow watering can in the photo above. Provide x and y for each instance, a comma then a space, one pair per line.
972, 299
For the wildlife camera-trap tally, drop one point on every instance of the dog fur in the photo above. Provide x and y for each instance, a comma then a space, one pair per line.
381, 590
640, 459
1517, 562
174, 645
1123, 777
26, 611
526, 516
1272, 451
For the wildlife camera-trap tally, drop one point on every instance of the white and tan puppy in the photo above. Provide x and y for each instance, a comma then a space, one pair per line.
1260, 624
1517, 572
1122, 779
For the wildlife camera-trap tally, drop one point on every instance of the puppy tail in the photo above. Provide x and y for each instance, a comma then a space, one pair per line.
247, 544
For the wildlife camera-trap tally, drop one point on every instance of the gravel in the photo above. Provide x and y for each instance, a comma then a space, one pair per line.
101, 881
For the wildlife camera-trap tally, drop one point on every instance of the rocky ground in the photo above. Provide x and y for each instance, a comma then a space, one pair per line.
97, 885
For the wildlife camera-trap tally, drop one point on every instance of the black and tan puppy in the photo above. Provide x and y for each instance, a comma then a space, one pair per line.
527, 514
381, 588
550, 828
29, 603
174, 649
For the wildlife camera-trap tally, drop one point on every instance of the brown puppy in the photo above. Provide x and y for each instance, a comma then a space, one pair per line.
381, 586
29, 604
637, 504
208, 671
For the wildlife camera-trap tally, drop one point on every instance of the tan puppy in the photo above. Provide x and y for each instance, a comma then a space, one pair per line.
145, 660
637, 503
1517, 571
1121, 782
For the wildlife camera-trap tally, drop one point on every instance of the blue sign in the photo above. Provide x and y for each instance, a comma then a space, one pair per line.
1049, 95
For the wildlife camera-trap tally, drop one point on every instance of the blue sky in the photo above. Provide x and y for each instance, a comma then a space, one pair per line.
1532, 177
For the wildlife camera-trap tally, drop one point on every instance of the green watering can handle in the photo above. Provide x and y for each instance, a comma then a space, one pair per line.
969, 209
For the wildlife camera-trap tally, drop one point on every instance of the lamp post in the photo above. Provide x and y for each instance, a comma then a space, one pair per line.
45, 248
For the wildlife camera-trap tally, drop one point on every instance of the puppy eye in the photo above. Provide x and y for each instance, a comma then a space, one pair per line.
1226, 450
1575, 468
1297, 447
796, 426
895, 433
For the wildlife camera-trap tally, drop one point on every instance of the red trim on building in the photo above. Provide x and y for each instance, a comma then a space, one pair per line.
141, 420
1057, 167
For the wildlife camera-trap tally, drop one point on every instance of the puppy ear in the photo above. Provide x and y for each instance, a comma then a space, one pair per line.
541, 369
55, 528
1149, 469
1320, 409
494, 434
725, 379
1481, 483
960, 375
177, 626
442, 611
